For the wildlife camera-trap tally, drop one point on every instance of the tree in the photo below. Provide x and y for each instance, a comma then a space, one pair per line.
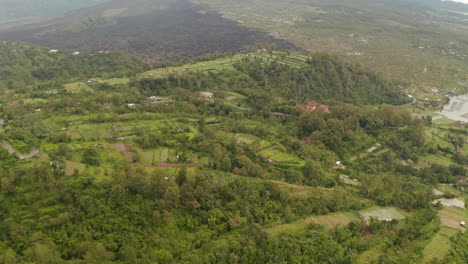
226, 164
182, 176
44, 253
98, 254
313, 173
91, 156
128, 255
9, 257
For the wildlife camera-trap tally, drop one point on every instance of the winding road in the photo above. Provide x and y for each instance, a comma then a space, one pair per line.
11, 150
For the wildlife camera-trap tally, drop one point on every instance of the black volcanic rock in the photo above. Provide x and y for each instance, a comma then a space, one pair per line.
179, 31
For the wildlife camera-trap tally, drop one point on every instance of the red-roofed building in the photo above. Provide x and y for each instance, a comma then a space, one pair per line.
312, 107
325, 108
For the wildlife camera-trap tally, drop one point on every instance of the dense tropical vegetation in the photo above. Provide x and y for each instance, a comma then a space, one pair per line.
245, 176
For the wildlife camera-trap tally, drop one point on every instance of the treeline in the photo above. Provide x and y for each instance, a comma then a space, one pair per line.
141, 217
22, 66
201, 217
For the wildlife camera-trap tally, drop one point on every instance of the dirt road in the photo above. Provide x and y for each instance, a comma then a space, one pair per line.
11, 150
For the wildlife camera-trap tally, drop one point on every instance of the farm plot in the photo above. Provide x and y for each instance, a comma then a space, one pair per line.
439, 245
240, 137
329, 221
450, 202
372, 255
167, 158
382, 213
126, 150
300, 191
152, 157
277, 154
448, 188
219, 65
281, 157
452, 216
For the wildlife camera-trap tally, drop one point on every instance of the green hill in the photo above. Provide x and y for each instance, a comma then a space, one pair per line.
210, 161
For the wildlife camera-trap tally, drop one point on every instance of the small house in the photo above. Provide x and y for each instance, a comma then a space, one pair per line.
53, 51
75, 53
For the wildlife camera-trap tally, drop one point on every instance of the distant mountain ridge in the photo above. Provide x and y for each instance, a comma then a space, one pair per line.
18, 9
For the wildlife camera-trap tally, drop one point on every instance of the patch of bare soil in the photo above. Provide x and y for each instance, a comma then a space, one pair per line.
125, 149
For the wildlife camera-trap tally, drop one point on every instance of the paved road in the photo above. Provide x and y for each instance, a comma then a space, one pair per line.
11, 150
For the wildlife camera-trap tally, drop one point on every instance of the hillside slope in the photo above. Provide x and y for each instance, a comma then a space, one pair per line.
423, 42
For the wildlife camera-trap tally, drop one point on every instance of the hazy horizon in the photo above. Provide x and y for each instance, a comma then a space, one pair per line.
459, 1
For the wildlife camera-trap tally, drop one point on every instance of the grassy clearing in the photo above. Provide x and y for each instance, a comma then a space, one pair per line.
71, 166
382, 213
434, 159
280, 156
329, 221
78, 87
115, 81
371, 256
232, 96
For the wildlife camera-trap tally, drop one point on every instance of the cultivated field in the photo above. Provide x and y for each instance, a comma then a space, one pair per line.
452, 216
439, 245
329, 221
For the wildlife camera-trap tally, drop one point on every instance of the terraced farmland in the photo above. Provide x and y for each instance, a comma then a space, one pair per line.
439, 245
